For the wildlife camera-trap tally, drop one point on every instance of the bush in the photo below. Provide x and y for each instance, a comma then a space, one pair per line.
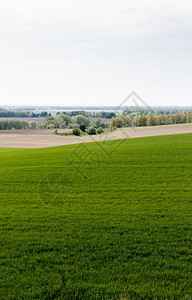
82, 127
75, 125
76, 131
99, 130
91, 131
102, 125
33, 125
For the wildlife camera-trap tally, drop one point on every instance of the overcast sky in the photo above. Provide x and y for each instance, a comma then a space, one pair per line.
95, 52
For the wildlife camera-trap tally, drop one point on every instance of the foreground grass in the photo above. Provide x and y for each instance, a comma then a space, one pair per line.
103, 220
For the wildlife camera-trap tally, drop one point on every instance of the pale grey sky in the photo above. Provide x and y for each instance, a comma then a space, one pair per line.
95, 52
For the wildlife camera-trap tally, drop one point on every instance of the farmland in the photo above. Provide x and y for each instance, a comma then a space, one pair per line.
39, 138
106, 220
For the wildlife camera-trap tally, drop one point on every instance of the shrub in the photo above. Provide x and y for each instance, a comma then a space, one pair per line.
91, 131
33, 125
76, 131
75, 125
82, 127
102, 125
99, 130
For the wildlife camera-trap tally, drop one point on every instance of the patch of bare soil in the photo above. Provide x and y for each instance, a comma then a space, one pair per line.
47, 138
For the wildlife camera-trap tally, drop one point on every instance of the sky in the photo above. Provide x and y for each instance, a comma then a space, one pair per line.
95, 52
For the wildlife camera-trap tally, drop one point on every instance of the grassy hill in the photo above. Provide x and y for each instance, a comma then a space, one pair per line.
109, 220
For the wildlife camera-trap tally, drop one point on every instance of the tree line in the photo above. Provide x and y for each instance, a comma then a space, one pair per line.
88, 114
16, 124
65, 121
4, 113
151, 120
21, 114
52, 122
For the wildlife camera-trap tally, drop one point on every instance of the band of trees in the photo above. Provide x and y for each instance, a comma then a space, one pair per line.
16, 124
151, 120
63, 120
4, 113
59, 121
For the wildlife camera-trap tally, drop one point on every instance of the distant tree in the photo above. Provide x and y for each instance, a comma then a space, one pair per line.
41, 125
189, 116
76, 113
172, 119
119, 122
128, 122
25, 125
142, 121
76, 131
102, 125
66, 118
50, 126
98, 123
124, 121
135, 121
82, 127
33, 125
107, 115
50, 118
129, 111
63, 125
44, 114
75, 125
126, 112
151, 120
80, 119
180, 118
99, 130
113, 123
33, 115
91, 131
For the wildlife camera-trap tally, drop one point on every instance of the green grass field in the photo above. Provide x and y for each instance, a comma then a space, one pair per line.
102, 220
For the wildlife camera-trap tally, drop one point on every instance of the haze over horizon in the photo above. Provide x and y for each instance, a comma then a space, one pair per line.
62, 53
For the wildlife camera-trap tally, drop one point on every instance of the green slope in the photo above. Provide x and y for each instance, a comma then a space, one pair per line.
110, 220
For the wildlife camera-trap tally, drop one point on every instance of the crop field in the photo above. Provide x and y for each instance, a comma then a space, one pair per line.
103, 220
